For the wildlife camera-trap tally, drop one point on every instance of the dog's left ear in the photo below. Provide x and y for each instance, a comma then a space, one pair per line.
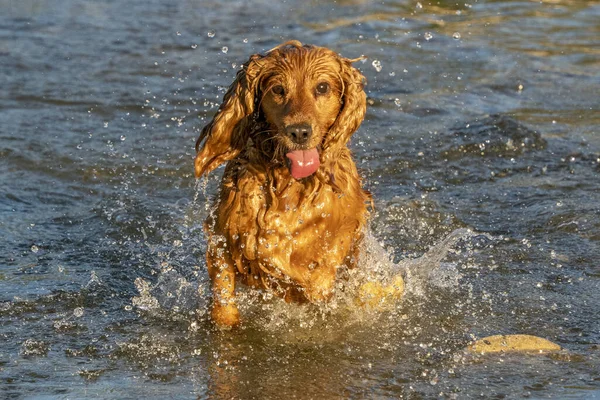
354, 106
223, 138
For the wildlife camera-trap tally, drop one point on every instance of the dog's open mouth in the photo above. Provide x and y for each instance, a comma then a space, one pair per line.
303, 163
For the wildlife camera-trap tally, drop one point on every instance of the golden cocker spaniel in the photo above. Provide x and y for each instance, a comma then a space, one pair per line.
291, 210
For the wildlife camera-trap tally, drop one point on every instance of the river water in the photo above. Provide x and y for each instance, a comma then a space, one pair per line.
481, 147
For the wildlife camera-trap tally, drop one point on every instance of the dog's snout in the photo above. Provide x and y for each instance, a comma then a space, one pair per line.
299, 133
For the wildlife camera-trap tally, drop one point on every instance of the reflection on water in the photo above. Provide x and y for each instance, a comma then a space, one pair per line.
480, 146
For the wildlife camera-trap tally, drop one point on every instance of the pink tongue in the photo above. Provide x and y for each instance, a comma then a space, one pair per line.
303, 162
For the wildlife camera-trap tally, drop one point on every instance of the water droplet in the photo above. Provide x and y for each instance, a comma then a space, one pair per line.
456, 35
78, 312
178, 33
419, 5
377, 65
106, 124
225, 49
245, 40
428, 36
520, 88
31, 347
34, 249
397, 102
211, 34
194, 46
122, 138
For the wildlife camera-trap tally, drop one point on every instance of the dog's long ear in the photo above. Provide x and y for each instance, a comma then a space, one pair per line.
226, 135
353, 109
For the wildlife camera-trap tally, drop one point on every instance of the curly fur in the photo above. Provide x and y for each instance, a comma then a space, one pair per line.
269, 230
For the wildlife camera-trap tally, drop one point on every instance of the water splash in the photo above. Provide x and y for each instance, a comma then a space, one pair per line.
377, 65
172, 293
429, 268
178, 297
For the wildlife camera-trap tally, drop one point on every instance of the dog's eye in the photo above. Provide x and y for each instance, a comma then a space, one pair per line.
278, 90
323, 88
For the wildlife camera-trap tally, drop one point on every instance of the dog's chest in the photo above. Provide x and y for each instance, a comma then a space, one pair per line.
284, 217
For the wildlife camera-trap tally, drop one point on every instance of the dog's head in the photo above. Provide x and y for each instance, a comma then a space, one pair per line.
305, 100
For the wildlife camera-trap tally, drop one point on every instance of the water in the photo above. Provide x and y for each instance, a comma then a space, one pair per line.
480, 145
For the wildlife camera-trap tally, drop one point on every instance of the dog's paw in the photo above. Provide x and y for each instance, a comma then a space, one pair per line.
225, 316
376, 295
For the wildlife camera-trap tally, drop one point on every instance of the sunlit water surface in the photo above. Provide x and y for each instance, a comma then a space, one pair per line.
481, 147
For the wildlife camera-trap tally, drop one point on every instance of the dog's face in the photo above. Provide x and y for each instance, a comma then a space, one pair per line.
301, 103
301, 100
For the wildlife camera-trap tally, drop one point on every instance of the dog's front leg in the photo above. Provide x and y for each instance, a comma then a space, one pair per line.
221, 270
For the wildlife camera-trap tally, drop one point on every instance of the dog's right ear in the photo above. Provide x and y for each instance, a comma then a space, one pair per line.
226, 135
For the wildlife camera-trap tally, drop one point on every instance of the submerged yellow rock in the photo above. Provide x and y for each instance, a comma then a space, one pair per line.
512, 343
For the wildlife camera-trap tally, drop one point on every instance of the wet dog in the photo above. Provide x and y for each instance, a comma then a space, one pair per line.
291, 209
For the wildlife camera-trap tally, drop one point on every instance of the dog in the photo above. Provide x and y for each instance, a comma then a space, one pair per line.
291, 209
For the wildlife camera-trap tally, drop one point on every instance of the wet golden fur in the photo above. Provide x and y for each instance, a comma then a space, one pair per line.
270, 230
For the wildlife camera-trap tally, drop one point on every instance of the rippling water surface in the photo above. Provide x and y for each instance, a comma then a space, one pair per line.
481, 147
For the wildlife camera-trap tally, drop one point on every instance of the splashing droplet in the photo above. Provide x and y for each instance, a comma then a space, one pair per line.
456, 35
211, 34
428, 36
34, 249
377, 65
225, 49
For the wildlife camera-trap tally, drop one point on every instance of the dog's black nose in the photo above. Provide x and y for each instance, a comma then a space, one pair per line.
299, 133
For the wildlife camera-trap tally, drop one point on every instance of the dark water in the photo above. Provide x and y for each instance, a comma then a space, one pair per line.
483, 116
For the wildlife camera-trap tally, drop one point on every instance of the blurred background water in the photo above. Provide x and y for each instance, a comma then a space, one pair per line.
482, 115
